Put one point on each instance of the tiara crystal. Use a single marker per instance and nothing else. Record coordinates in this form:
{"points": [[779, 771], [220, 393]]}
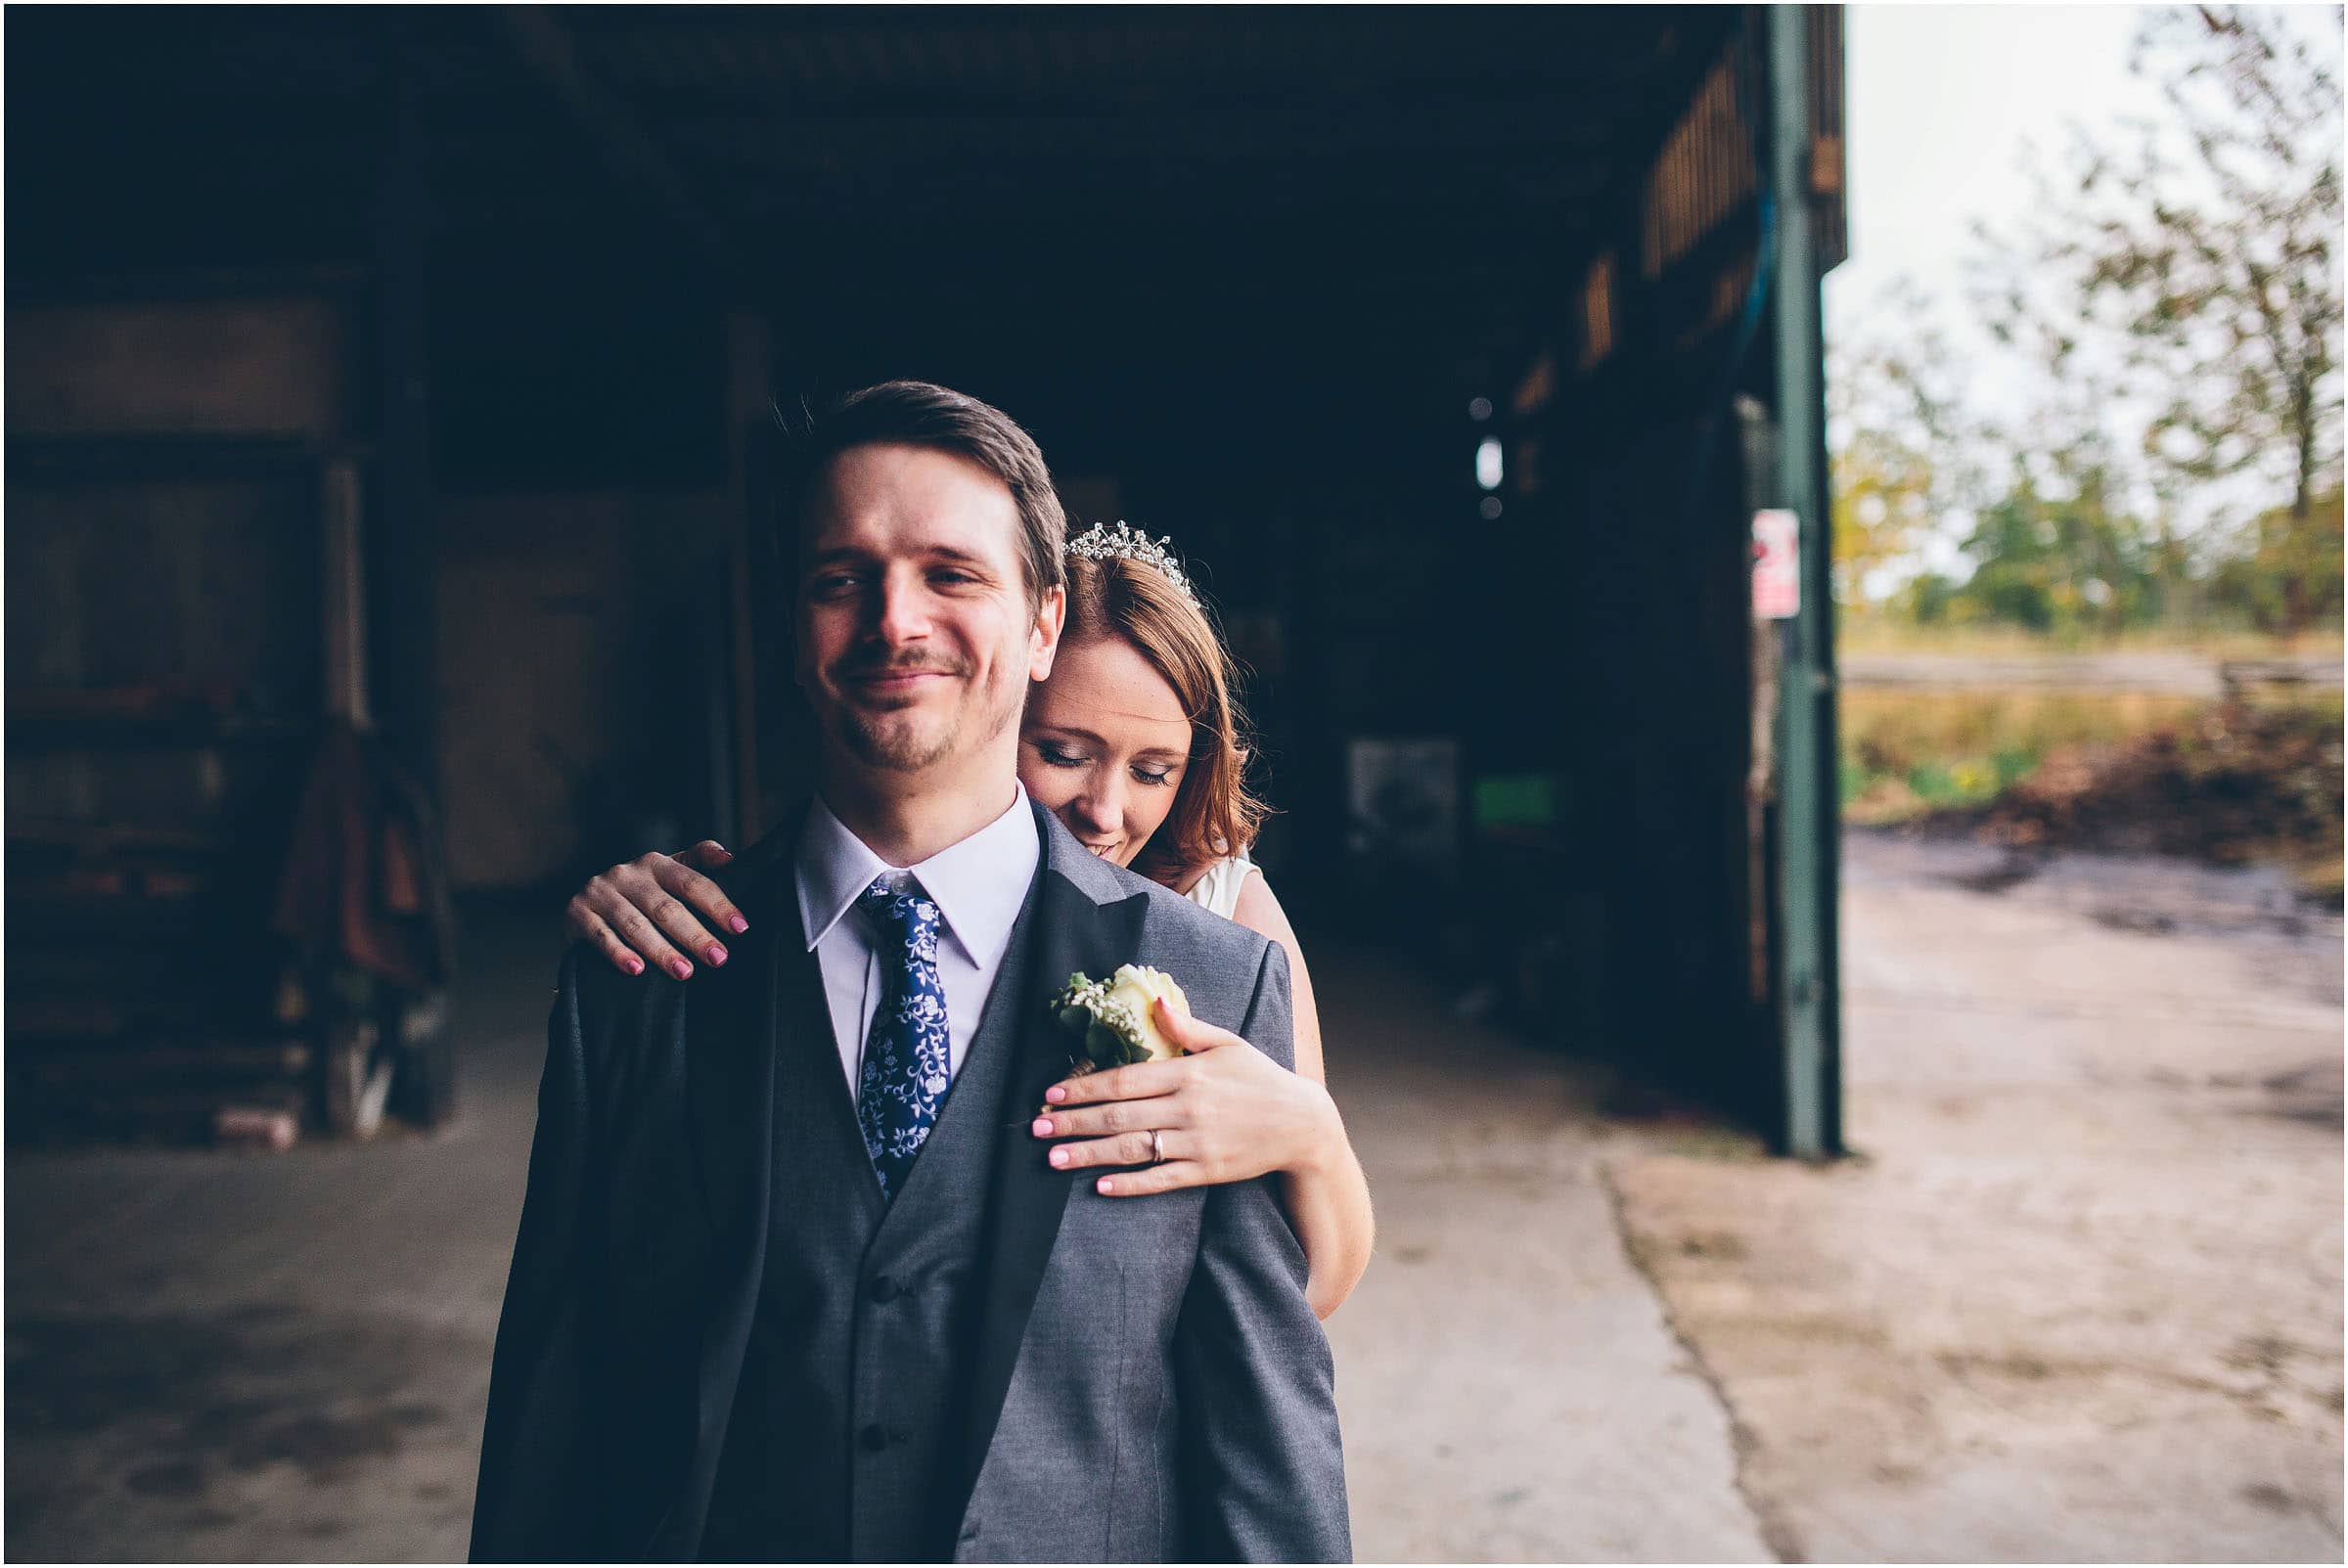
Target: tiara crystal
{"points": [[1127, 542]]}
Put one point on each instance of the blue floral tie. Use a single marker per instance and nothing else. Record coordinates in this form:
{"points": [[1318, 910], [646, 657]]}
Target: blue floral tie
{"points": [[906, 1066]]}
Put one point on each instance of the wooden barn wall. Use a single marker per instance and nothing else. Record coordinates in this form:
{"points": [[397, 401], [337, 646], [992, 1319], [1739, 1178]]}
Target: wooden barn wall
{"points": [[236, 367], [1656, 755], [169, 461], [570, 672], [1650, 518], [1624, 567]]}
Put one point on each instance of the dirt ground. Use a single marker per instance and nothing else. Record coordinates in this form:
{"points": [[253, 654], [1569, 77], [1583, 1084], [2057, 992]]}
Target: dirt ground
{"points": [[2079, 1295]]}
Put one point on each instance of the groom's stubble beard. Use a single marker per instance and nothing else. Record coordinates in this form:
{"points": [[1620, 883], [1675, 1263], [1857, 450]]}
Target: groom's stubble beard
{"points": [[906, 740]]}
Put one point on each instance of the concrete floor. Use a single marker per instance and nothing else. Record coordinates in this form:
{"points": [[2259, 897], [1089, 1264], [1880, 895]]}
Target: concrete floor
{"points": [[2083, 1300], [218, 1356], [2079, 1299]]}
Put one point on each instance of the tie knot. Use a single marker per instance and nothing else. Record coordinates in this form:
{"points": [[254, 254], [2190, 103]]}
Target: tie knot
{"points": [[906, 912]]}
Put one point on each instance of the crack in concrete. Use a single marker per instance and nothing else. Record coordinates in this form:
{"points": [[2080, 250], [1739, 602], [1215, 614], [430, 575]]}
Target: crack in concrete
{"points": [[1776, 1531]]}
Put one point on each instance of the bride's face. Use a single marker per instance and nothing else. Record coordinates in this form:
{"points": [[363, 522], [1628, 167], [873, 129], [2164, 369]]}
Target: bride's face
{"points": [[1103, 746]]}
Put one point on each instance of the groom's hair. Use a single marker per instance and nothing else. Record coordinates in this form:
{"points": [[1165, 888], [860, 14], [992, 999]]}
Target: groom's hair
{"points": [[922, 414]]}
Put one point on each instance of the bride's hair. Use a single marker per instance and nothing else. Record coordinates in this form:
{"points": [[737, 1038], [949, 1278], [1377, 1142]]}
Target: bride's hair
{"points": [[1214, 814]]}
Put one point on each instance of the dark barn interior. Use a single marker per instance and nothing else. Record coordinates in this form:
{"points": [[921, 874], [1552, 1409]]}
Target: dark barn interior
{"points": [[386, 391]]}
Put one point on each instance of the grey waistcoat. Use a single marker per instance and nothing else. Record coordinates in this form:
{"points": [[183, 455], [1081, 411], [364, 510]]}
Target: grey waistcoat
{"points": [[857, 1370]]}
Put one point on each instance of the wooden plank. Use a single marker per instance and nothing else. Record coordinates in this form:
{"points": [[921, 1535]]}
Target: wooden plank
{"points": [[216, 367], [64, 1065], [174, 1116]]}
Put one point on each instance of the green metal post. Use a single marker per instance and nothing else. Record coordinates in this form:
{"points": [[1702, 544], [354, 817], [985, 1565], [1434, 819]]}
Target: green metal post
{"points": [[1809, 816]]}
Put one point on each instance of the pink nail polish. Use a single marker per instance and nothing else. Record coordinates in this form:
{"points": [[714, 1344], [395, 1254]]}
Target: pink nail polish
{"points": [[1060, 1156], [635, 965], [680, 968], [739, 925], [717, 954], [1108, 1185], [1042, 1128], [1055, 1095]]}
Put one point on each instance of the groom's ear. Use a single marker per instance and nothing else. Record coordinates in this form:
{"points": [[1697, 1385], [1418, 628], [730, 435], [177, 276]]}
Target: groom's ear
{"points": [[1043, 642]]}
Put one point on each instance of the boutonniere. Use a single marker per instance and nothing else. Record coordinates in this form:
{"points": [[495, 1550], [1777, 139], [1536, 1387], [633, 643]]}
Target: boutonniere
{"points": [[1108, 1021]]}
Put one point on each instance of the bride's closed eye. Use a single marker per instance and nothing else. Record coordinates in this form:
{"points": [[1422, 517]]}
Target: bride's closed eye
{"points": [[1056, 755]]}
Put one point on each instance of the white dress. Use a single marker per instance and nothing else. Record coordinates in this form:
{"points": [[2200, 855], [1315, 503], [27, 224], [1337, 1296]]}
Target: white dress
{"points": [[1219, 888]]}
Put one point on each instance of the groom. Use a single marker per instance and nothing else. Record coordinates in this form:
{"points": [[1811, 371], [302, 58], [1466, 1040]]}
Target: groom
{"points": [[792, 1284]]}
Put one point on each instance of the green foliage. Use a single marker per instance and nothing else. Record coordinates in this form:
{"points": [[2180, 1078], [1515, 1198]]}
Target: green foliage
{"points": [[1907, 752], [2255, 778], [2065, 564], [1101, 1032], [2287, 573]]}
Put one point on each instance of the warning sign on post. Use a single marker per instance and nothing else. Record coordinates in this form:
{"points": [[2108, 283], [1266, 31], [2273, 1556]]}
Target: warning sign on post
{"points": [[1777, 565]]}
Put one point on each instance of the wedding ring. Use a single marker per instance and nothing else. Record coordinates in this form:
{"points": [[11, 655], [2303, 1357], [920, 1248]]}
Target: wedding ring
{"points": [[1157, 1147]]}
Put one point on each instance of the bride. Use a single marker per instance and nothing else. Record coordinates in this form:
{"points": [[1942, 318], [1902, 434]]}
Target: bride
{"points": [[1135, 742]]}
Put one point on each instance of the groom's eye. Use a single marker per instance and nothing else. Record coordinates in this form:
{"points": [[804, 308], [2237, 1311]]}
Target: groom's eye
{"points": [[832, 584]]}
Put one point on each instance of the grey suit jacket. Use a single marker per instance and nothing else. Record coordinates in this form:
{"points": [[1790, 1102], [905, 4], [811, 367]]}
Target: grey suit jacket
{"points": [[1149, 1382], [1172, 1394]]}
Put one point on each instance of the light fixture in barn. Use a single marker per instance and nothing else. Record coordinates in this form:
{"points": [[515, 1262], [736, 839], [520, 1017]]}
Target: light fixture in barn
{"points": [[1488, 462]]}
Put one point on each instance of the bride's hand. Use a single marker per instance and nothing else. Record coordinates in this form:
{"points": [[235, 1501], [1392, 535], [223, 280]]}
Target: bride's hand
{"points": [[1224, 1112], [633, 911]]}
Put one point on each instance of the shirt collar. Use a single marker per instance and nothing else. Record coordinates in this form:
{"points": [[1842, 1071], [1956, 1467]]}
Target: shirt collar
{"points": [[978, 884]]}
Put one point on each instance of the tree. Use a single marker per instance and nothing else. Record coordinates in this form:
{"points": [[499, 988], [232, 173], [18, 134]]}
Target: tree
{"points": [[2263, 584], [2072, 562], [2195, 271], [1903, 461]]}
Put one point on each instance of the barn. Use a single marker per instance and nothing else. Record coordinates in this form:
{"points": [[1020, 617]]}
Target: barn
{"points": [[388, 521]]}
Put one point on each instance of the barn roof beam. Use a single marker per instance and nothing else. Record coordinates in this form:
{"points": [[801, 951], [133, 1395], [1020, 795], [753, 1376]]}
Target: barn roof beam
{"points": [[552, 56]]}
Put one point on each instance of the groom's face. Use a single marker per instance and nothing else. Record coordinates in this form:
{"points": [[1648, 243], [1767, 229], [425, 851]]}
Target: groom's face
{"points": [[916, 637]]}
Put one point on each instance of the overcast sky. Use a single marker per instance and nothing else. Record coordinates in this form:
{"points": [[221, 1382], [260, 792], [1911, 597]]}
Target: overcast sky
{"points": [[1941, 100]]}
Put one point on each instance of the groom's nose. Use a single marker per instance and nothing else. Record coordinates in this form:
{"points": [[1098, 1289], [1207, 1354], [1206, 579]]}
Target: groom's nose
{"points": [[900, 610]]}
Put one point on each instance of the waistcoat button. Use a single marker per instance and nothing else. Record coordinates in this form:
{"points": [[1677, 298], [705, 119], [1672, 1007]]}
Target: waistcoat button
{"points": [[885, 1289], [874, 1438]]}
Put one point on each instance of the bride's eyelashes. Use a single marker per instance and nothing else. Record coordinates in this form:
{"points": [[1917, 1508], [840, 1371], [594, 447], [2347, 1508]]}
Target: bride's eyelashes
{"points": [[1054, 755]]}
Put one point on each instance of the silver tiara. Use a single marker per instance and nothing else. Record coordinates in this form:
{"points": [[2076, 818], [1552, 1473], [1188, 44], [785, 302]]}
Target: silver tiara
{"points": [[1126, 543]]}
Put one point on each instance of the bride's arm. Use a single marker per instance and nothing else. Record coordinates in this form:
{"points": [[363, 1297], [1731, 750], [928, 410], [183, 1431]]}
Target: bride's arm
{"points": [[1329, 1196], [1227, 1113]]}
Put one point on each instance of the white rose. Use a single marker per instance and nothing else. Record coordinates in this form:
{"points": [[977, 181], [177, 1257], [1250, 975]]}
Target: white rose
{"points": [[1137, 985]]}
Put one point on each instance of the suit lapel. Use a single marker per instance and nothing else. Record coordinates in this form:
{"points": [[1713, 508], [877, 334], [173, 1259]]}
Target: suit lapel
{"points": [[731, 1020], [1084, 921], [732, 1017]]}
